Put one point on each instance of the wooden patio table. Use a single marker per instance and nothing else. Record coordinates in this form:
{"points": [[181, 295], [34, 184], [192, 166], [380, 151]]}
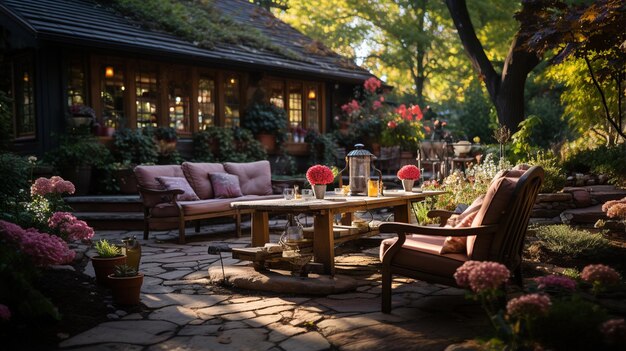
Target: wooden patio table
{"points": [[324, 212]]}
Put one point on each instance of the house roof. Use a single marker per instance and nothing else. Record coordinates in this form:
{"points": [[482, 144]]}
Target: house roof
{"points": [[87, 23]]}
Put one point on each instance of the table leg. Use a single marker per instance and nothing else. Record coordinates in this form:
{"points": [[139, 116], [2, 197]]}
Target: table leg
{"points": [[260, 228], [402, 213], [324, 241], [346, 218]]}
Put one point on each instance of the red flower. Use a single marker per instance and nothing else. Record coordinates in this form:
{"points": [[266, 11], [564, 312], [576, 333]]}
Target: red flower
{"points": [[372, 84], [319, 174], [376, 105], [351, 107], [409, 172], [392, 124]]}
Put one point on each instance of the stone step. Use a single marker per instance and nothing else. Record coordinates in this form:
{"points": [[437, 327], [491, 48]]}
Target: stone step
{"points": [[112, 220], [585, 215], [105, 203]]}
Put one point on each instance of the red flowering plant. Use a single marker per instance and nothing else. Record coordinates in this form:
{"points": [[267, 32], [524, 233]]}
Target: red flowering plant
{"points": [[404, 128], [409, 172], [319, 174]]}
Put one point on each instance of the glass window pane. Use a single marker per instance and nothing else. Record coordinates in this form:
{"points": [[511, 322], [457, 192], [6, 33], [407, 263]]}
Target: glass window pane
{"points": [[147, 92], [24, 98], [112, 95], [295, 105], [76, 90], [206, 102], [178, 96], [231, 101], [277, 93]]}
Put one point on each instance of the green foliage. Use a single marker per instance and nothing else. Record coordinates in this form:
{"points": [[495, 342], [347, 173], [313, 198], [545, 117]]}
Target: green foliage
{"points": [[105, 249], [6, 122], [133, 147], [15, 172], [323, 148], [474, 117], [266, 118], [609, 160], [124, 270], [565, 240], [198, 22], [78, 149], [218, 144], [521, 144], [365, 130], [554, 177], [571, 324], [160, 133]]}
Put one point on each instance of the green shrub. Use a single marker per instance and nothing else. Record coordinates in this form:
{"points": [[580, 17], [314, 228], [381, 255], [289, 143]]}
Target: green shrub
{"points": [[565, 240], [266, 118], [15, 172], [218, 144], [609, 160], [133, 147], [554, 177]]}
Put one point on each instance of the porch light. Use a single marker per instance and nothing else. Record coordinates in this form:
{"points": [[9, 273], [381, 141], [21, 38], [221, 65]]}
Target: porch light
{"points": [[26, 78], [312, 94], [109, 72], [233, 81]]}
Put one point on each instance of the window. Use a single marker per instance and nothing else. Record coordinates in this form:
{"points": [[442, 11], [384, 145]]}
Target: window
{"points": [[312, 110], [231, 101], [76, 91], [23, 95], [112, 95], [277, 93], [178, 96], [295, 105], [206, 102], [147, 93]]}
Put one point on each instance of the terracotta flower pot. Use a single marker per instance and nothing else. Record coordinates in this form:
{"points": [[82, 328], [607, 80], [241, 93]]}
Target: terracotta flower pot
{"points": [[126, 290], [103, 266], [268, 141]]}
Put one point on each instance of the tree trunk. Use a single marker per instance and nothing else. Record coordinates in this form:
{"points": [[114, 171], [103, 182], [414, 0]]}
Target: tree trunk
{"points": [[507, 89]]}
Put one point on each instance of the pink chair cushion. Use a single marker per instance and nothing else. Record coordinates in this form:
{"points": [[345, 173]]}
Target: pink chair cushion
{"points": [[197, 175], [255, 178], [171, 183], [458, 244], [225, 185], [496, 202], [191, 208], [146, 177], [423, 251]]}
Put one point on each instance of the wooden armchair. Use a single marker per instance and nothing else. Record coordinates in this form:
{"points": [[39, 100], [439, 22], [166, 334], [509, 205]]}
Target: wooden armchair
{"points": [[494, 232]]}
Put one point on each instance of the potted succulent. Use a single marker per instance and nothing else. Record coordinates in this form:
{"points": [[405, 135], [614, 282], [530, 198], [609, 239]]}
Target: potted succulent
{"points": [[267, 122], [81, 115], [125, 284], [109, 255]]}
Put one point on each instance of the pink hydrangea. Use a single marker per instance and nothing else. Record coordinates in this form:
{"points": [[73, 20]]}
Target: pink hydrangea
{"points": [[351, 107], [487, 276], [462, 273], [42, 248], [409, 172], [376, 105], [372, 84], [600, 274], [70, 227], [319, 174], [44, 186], [614, 330], [556, 282], [5, 313], [528, 305]]}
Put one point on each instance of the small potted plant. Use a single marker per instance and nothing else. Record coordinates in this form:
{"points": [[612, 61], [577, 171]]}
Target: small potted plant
{"points": [[408, 175], [125, 284], [267, 122], [319, 176], [81, 115], [109, 256]]}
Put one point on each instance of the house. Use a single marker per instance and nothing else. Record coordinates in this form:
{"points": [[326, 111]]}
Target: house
{"points": [[59, 53]]}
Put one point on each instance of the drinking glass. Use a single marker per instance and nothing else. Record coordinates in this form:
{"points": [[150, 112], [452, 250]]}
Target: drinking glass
{"points": [[307, 194], [288, 194]]}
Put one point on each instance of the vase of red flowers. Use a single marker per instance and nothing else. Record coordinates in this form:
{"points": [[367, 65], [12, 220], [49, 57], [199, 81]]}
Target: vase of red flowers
{"points": [[319, 176], [408, 175]]}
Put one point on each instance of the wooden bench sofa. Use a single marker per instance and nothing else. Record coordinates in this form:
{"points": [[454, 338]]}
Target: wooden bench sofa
{"points": [[166, 198]]}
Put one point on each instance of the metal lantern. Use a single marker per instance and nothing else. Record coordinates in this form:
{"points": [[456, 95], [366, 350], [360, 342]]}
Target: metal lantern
{"points": [[358, 164]]}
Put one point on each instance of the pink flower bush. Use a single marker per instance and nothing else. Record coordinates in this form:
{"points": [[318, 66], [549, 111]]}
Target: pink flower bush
{"points": [[556, 282], [42, 248], [319, 174], [614, 330], [351, 107], [528, 305], [414, 112], [409, 172], [54, 185], [372, 84], [69, 227], [376, 105], [599, 274], [5, 313], [481, 276]]}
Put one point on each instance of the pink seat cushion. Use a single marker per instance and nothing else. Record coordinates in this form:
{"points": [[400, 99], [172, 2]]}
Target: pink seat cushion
{"points": [[255, 178], [423, 251], [197, 175], [225, 185], [191, 208], [171, 183]]}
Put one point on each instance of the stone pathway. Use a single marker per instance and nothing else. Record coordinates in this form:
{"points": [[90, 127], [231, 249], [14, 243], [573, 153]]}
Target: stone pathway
{"points": [[183, 311]]}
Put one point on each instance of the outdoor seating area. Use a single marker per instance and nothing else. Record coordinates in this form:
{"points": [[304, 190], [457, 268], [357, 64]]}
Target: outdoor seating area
{"points": [[286, 175]]}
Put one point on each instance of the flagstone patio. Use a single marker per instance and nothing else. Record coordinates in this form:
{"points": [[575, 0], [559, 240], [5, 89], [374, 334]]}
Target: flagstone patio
{"points": [[183, 310]]}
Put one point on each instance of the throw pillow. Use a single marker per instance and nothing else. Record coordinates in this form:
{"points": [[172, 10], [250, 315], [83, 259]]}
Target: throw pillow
{"points": [[225, 185], [458, 244], [170, 183]]}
